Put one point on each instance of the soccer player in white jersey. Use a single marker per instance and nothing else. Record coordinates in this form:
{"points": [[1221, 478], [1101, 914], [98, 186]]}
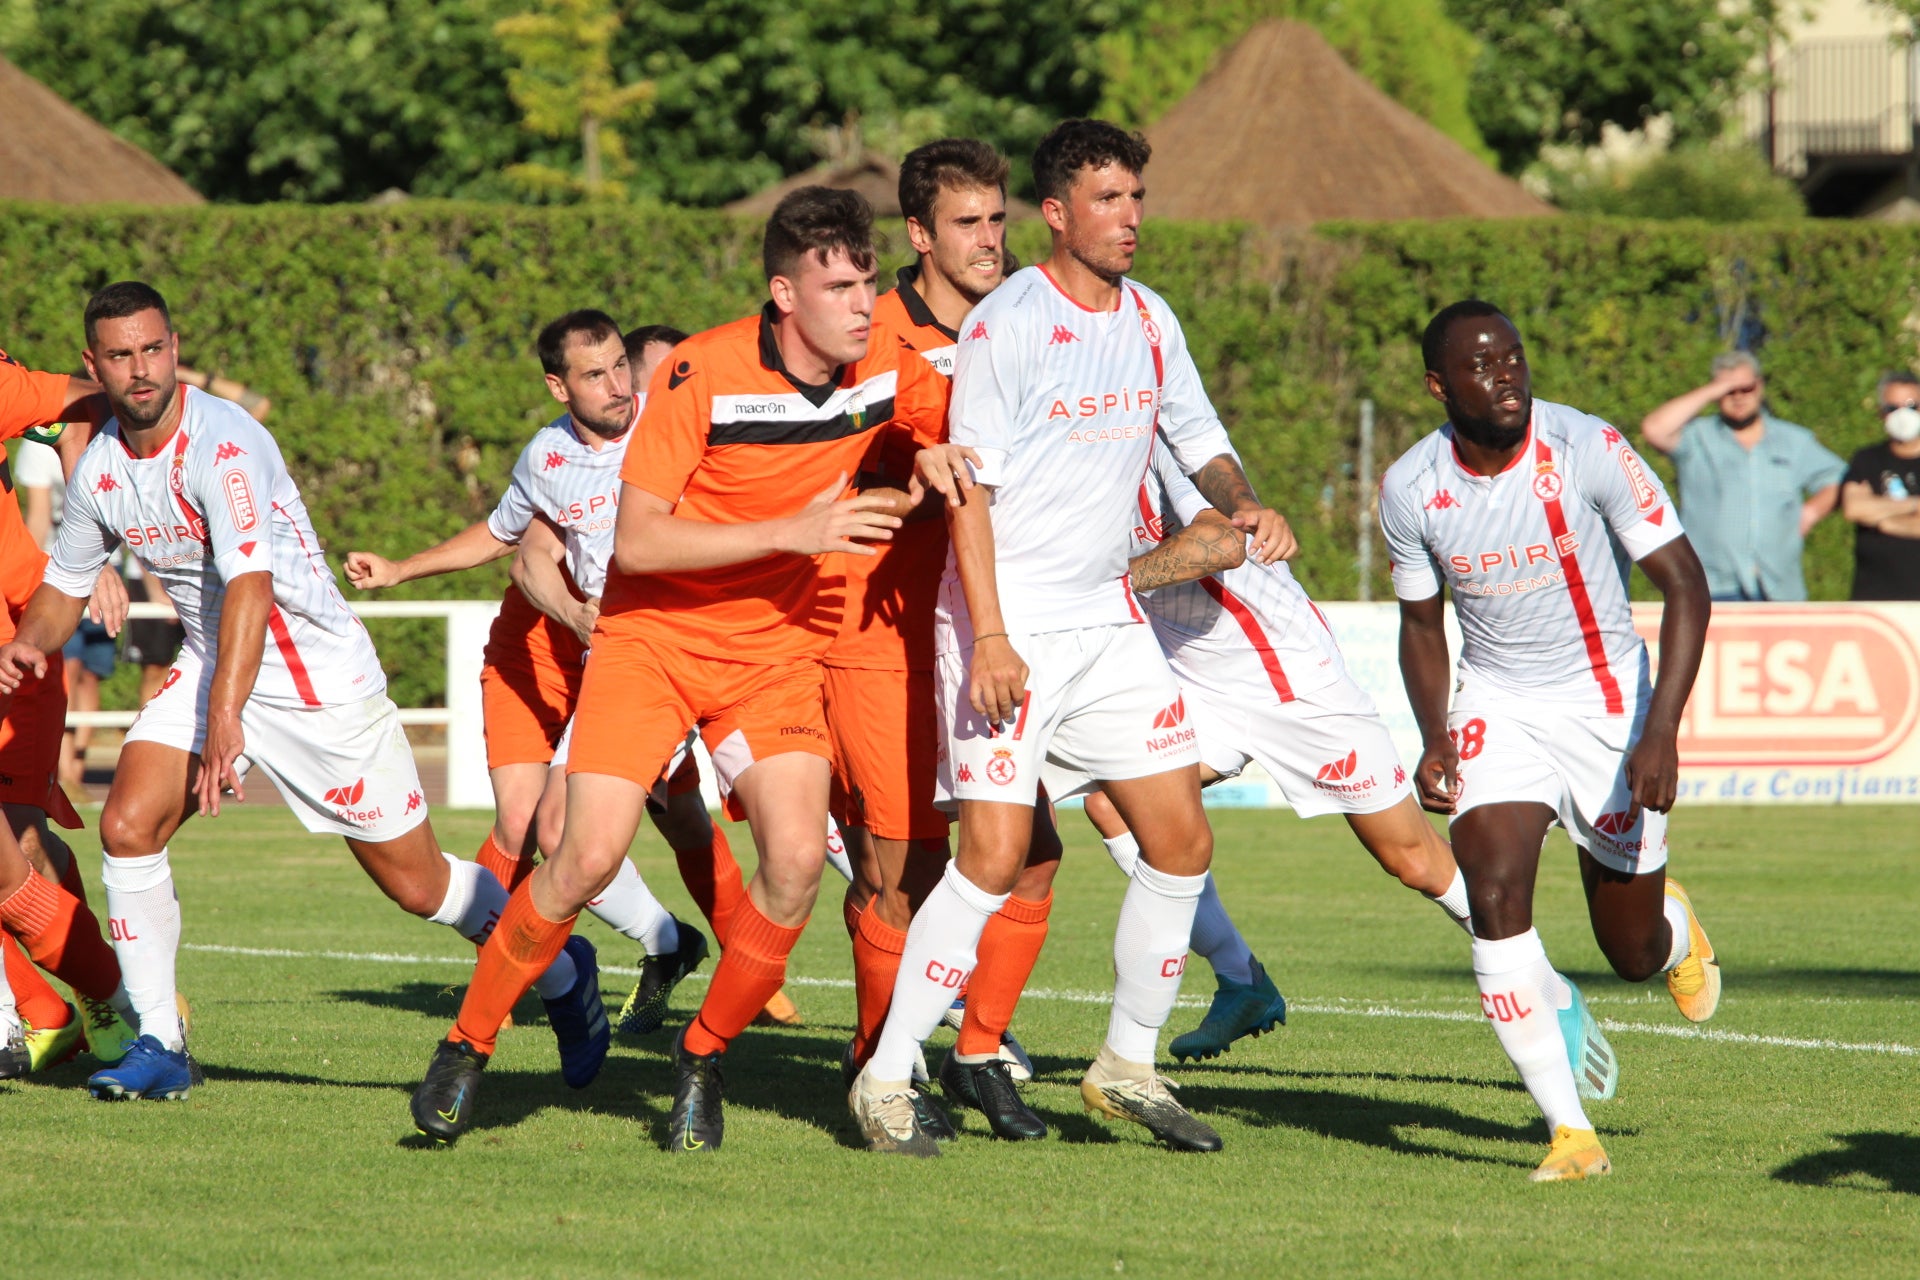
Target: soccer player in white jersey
{"points": [[1531, 513], [567, 482], [196, 489], [1043, 654], [1262, 678]]}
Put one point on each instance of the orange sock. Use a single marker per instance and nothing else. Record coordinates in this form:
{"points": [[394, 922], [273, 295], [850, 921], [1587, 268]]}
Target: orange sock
{"points": [[712, 877], [62, 936], [523, 944], [506, 868], [39, 1004], [70, 879], [752, 966], [1009, 947], [876, 963], [850, 914]]}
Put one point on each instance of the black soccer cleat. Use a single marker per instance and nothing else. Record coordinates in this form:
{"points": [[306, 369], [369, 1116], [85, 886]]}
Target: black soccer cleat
{"points": [[443, 1104], [934, 1121], [988, 1088], [696, 1122], [646, 1008]]}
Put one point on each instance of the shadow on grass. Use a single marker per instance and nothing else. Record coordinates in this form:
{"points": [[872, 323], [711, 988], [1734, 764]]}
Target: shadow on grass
{"points": [[1891, 1158], [1768, 980]]}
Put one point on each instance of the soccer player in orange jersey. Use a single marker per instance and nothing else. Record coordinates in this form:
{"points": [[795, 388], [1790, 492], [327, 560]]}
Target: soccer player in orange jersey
{"points": [[723, 594], [879, 677], [51, 920]]}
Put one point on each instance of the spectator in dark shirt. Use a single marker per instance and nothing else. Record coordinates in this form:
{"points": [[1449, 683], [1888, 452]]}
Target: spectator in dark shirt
{"points": [[1881, 495]]}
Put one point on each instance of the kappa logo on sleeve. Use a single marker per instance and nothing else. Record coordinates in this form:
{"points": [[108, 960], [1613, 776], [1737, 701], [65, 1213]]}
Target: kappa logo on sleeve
{"points": [[554, 459], [978, 332], [227, 452]]}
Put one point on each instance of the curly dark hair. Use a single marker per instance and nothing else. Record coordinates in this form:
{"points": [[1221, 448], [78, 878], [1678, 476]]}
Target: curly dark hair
{"points": [[1073, 145]]}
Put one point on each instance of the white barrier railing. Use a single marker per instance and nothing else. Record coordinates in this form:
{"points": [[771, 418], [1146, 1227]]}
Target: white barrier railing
{"points": [[467, 624]]}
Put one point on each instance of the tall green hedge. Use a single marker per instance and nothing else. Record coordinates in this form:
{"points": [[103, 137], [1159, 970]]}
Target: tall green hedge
{"points": [[396, 343]]}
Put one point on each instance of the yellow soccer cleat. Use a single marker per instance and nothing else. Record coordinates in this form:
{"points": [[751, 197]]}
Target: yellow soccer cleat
{"points": [[49, 1046], [1576, 1154], [1695, 981], [108, 1035]]}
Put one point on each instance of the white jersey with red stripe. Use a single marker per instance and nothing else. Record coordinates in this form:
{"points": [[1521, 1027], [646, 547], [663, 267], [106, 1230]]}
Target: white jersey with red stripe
{"points": [[1255, 608], [1537, 556], [562, 476], [1060, 403], [211, 504]]}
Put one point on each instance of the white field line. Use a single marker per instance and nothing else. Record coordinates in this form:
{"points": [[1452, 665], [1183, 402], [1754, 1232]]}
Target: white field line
{"points": [[1337, 1008]]}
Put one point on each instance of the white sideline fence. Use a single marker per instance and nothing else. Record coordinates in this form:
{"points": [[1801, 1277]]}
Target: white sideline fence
{"points": [[1794, 704]]}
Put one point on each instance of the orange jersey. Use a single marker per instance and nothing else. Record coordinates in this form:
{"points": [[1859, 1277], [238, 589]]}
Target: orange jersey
{"points": [[27, 400], [729, 437], [890, 596]]}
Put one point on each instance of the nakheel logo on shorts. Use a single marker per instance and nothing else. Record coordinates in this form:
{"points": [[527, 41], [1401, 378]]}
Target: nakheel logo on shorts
{"points": [[1797, 686], [1337, 776], [1611, 827], [343, 800], [1171, 721]]}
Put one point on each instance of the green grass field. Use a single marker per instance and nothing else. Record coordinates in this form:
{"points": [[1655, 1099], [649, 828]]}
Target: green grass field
{"points": [[1381, 1133]]}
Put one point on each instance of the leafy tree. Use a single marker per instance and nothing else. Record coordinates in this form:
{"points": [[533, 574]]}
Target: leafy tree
{"points": [[1557, 72], [1409, 48], [1714, 184], [565, 84], [287, 99]]}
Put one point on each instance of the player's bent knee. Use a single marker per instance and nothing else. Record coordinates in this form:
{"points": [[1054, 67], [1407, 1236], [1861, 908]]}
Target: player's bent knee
{"points": [[127, 832]]}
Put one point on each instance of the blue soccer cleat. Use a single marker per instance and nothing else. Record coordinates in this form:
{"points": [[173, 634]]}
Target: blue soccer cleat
{"points": [[148, 1069], [1596, 1071], [579, 1020], [1238, 1009]]}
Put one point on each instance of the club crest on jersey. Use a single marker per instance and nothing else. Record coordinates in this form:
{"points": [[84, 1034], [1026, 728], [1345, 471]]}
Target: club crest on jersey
{"points": [[1548, 486], [1148, 327], [1001, 769]]}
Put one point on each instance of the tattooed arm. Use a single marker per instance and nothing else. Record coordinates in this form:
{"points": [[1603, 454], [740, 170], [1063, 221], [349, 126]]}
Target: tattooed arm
{"points": [[1222, 483], [1208, 546]]}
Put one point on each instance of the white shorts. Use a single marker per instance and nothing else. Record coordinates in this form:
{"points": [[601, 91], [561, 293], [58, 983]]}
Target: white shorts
{"points": [[1514, 750], [345, 769], [656, 797], [1101, 705], [1328, 750]]}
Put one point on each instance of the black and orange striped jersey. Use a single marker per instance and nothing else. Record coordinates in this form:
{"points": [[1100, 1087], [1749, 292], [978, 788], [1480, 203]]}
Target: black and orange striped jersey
{"points": [[730, 437]]}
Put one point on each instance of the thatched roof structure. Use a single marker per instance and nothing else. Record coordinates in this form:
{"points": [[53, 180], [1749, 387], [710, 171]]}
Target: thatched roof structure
{"points": [[1283, 133], [51, 151], [873, 175]]}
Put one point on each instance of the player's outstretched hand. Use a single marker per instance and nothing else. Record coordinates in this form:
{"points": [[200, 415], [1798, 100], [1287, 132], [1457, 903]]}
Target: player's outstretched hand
{"points": [[370, 572], [999, 679], [1269, 536], [584, 616], [1437, 777], [226, 742], [1653, 774], [17, 662], [108, 603], [830, 523], [943, 467]]}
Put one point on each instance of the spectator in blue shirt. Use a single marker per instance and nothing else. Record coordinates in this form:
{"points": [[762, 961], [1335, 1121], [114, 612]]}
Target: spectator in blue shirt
{"points": [[1751, 484]]}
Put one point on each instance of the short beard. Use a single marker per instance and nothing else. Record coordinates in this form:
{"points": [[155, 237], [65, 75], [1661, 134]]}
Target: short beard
{"points": [[1483, 434], [607, 431], [131, 416]]}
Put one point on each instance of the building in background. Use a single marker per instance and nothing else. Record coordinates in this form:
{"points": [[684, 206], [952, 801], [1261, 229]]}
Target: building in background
{"points": [[51, 151]]}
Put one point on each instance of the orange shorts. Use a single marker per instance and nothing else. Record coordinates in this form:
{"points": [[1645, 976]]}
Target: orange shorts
{"points": [[31, 723], [886, 738], [529, 685], [639, 699]]}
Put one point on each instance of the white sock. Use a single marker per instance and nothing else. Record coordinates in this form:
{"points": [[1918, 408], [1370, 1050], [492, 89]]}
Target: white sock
{"points": [[144, 918], [1217, 941], [1682, 936], [1521, 995], [837, 852], [474, 901], [1149, 956], [1454, 902], [632, 910], [9, 1012], [939, 955], [1124, 850]]}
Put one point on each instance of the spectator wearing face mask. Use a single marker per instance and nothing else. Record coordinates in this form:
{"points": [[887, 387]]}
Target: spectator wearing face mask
{"points": [[1881, 495]]}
